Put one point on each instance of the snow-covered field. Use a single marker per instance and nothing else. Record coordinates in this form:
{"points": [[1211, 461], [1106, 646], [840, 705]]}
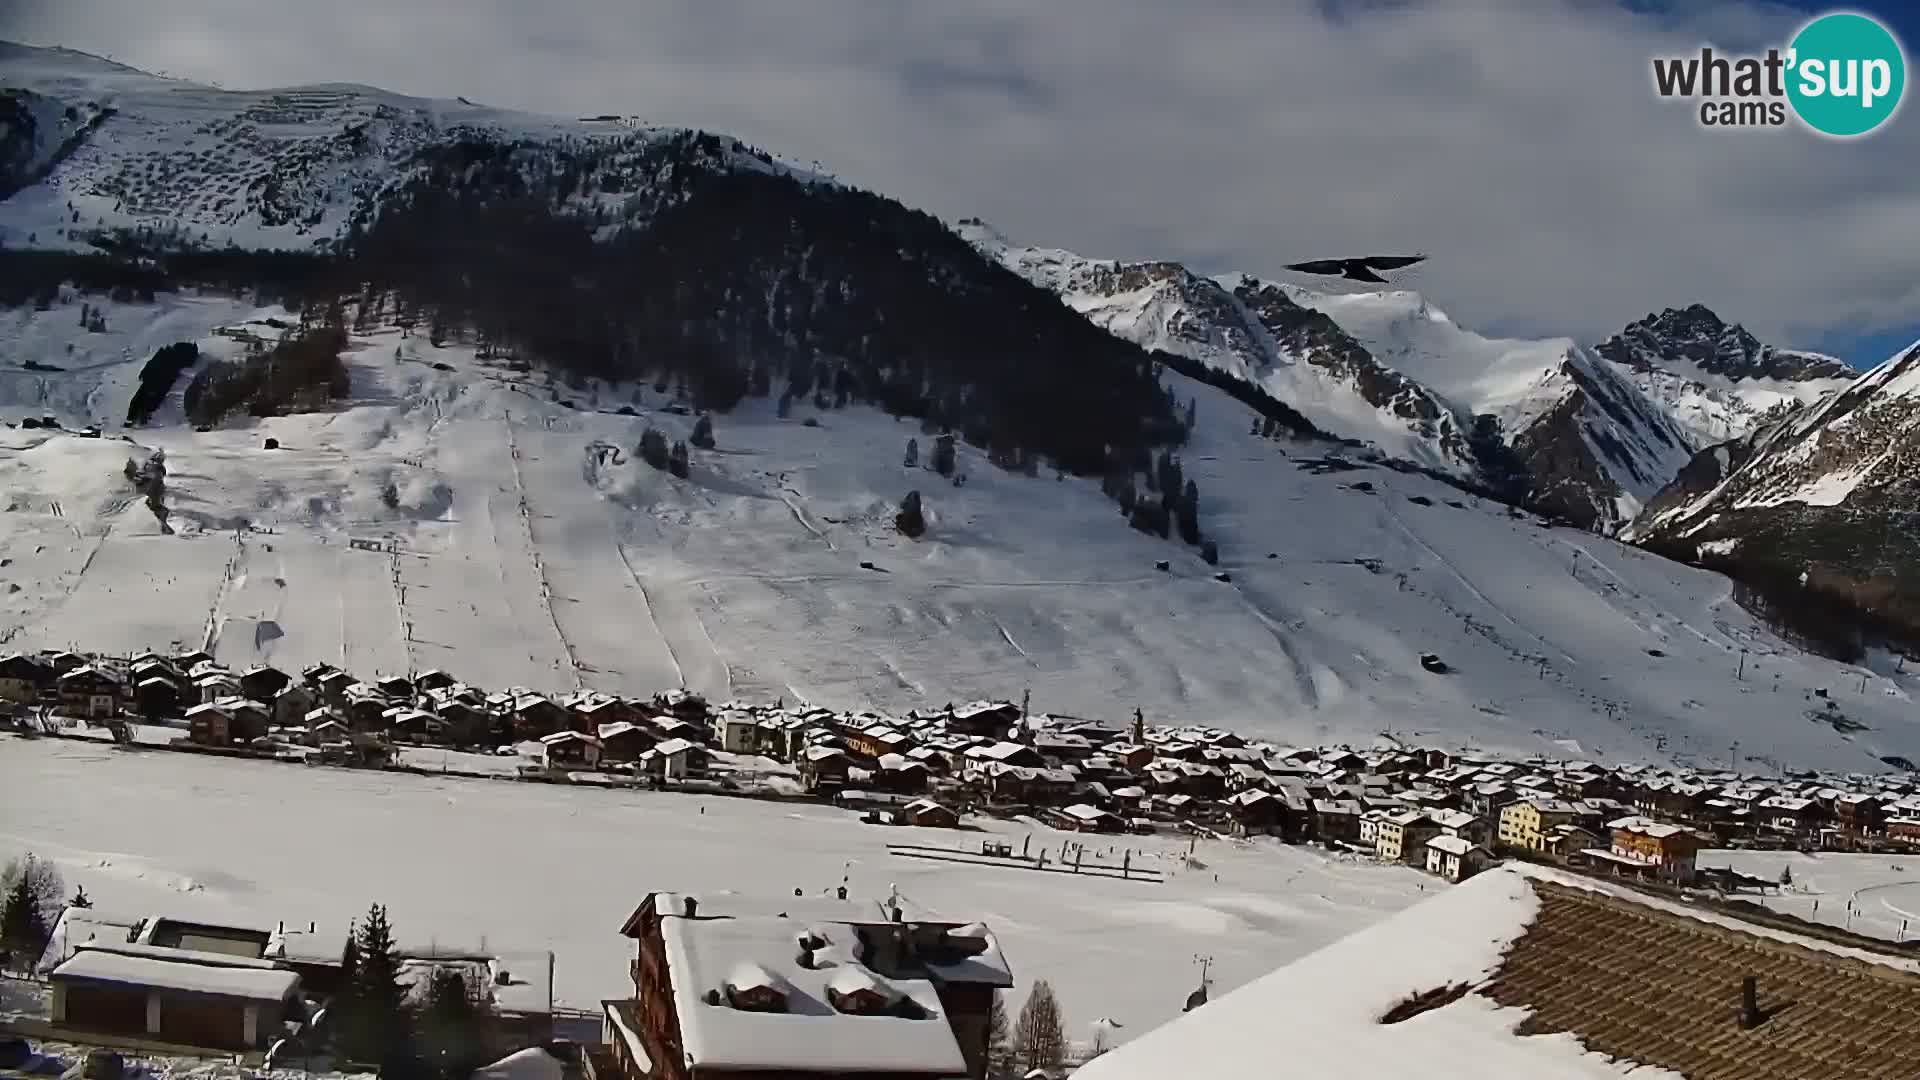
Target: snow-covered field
{"points": [[532, 866], [520, 541], [1877, 895]]}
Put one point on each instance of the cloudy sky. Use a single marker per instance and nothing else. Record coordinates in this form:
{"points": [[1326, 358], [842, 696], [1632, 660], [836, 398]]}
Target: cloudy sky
{"points": [[1519, 142]]}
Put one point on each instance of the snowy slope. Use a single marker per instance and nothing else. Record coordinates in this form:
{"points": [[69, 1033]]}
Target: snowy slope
{"points": [[528, 546]]}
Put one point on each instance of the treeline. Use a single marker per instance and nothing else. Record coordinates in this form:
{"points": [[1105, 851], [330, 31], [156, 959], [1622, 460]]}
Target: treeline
{"points": [[157, 377], [1815, 607], [301, 373]]}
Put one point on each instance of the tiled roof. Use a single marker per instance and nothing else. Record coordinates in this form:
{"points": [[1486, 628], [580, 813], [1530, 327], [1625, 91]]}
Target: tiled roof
{"points": [[1661, 988]]}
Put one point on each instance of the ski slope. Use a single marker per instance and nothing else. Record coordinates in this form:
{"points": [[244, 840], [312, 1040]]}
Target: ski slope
{"points": [[510, 539], [521, 867]]}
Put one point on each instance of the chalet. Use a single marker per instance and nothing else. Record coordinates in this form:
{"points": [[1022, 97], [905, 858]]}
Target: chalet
{"points": [[1336, 820], [365, 708], [1081, 817], [467, 723], [1369, 835], [1258, 812], [927, 814], [417, 726], [1129, 800], [989, 719], [670, 727], [1455, 858], [591, 713], [1063, 746], [212, 685], [791, 989], [824, 768], [188, 997], [325, 731], [333, 686], [210, 724], [674, 759], [291, 704], [878, 741], [898, 774], [90, 692], [22, 678], [1859, 814], [191, 659], [433, 679], [1403, 836], [398, 687], [624, 742], [1003, 753], [930, 757], [63, 662], [1904, 830], [1651, 848], [262, 683], [1022, 784], [1566, 841], [536, 716], [1129, 756], [157, 697], [1790, 814], [1472, 829], [570, 750]]}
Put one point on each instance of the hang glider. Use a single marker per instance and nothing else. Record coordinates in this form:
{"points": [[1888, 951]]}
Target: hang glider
{"points": [[1363, 269]]}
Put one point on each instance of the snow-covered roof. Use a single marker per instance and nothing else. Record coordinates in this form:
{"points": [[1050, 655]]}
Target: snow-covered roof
{"points": [[811, 1035], [179, 969], [1646, 827], [674, 746], [533, 1063], [1452, 845]]}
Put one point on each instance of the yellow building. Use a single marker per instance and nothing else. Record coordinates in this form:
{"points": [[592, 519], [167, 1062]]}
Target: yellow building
{"points": [[1526, 824]]}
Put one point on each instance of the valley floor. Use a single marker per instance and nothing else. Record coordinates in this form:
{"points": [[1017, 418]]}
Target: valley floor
{"points": [[536, 867]]}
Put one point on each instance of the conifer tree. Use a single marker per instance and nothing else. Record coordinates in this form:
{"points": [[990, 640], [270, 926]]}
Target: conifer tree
{"points": [[1039, 1037]]}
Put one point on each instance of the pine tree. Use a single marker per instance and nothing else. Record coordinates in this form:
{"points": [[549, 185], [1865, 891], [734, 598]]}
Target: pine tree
{"points": [[943, 455], [32, 894], [653, 448], [376, 1028], [702, 436], [1210, 553], [1193, 413], [1000, 1064], [913, 452], [1189, 513], [1040, 1036], [677, 463], [452, 1026], [911, 522]]}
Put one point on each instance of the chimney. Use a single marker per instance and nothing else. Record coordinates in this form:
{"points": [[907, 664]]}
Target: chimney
{"points": [[692, 906], [1750, 1002]]}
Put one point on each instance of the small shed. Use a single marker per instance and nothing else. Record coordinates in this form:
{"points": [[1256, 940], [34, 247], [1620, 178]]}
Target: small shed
{"points": [[180, 996]]}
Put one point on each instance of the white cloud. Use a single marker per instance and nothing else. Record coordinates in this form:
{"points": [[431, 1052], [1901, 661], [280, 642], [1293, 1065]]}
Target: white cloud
{"points": [[1519, 144]]}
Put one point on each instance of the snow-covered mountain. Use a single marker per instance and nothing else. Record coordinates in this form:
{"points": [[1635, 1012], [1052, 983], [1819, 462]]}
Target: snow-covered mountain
{"points": [[1389, 368], [520, 540], [517, 300], [1829, 494], [1717, 379]]}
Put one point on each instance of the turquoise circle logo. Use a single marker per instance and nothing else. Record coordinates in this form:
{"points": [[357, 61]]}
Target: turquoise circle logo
{"points": [[1847, 74]]}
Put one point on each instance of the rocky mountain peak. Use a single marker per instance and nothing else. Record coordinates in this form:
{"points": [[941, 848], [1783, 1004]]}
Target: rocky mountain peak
{"points": [[1695, 340]]}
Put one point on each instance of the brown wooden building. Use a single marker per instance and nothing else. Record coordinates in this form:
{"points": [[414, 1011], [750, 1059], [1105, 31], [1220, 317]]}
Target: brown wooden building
{"points": [[181, 996], [801, 988]]}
